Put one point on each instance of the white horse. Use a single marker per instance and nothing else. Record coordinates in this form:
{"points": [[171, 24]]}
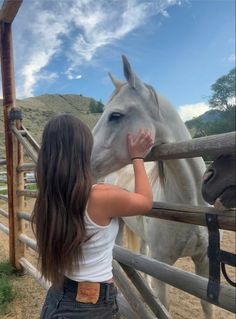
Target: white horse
{"points": [[133, 105]]}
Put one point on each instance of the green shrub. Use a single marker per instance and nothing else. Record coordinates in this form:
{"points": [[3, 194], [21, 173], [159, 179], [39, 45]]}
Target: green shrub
{"points": [[6, 292], [6, 269]]}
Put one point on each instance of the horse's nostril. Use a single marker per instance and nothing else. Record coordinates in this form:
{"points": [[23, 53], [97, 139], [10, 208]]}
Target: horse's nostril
{"points": [[208, 175]]}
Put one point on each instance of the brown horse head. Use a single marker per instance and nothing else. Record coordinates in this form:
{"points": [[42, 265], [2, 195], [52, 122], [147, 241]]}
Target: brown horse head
{"points": [[219, 182]]}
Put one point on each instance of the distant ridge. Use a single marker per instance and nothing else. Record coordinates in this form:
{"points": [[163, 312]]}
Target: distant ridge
{"points": [[213, 122], [38, 110]]}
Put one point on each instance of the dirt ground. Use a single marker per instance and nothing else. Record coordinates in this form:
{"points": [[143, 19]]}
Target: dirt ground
{"points": [[30, 295]]}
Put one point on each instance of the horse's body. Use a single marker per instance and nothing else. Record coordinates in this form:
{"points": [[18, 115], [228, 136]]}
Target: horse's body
{"points": [[219, 183], [134, 105]]}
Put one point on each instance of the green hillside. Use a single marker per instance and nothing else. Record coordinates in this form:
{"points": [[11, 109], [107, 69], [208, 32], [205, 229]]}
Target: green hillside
{"points": [[213, 122], [37, 110]]}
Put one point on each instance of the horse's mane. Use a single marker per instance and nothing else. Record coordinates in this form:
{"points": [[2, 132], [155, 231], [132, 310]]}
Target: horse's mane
{"points": [[160, 164]]}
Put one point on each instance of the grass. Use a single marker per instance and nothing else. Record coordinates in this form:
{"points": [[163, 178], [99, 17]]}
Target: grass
{"points": [[31, 187], [3, 191], [6, 292]]}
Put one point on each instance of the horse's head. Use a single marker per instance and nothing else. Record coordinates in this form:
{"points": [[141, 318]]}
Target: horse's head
{"points": [[133, 105], [219, 182]]}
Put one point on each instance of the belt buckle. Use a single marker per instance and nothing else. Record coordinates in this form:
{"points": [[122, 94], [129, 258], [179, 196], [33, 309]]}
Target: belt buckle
{"points": [[88, 292]]}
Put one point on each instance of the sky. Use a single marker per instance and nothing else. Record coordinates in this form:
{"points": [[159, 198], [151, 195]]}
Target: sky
{"points": [[180, 47]]}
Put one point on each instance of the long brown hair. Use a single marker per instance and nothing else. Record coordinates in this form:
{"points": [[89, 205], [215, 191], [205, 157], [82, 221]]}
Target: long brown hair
{"points": [[63, 176]]}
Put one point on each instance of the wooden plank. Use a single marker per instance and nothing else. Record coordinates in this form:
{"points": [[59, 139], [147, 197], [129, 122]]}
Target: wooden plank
{"points": [[28, 241], [27, 193], [154, 303], [3, 162], [9, 101], [26, 167], [193, 214], [9, 10], [4, 229], [35, 273], [31, 152], [31, 140], [4, 197], [4, 213], [125, 310], [197, 147], [131, 295], [19, 184], [188, 282], [25, 216]]}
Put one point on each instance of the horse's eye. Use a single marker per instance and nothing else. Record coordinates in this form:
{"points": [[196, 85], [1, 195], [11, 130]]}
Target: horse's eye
{"points": [[115, 116]]}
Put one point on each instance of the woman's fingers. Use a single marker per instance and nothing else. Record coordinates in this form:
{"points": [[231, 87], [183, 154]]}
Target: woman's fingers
{"points": [[140, 143]]}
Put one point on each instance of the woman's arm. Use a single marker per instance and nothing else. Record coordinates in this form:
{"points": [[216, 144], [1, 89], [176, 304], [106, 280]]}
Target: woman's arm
{"points": [[109, 201]]}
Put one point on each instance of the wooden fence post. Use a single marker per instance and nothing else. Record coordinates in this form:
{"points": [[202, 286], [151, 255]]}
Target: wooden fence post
{"points": [[14, 154]]}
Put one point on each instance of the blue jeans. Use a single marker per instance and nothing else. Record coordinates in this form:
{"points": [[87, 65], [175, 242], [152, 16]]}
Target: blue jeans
{"points": [[61, 303]]}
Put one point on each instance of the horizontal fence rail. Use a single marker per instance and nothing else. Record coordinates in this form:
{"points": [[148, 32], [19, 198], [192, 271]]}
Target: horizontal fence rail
{"points": [[4, 229], [25, 216], [3, 197], [188, 282], [193, 214], [27, 193], [179, 213], [4, 213], [26, 167], [209, 145], [196, 147], [3, 161], [34, 272]]}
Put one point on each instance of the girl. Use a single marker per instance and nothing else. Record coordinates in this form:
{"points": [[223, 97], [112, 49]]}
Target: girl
{"points": [[75, 222]]}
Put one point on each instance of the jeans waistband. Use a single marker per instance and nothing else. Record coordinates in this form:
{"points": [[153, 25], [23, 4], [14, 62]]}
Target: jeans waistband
{"points": [[107, 290]]}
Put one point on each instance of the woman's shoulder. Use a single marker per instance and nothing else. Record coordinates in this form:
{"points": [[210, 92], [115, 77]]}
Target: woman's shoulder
{"points": [[99, 205], [105, 187]]}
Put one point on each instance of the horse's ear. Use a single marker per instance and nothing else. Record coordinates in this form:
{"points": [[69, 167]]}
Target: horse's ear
{"points": [[116, 82], [129, 74]]}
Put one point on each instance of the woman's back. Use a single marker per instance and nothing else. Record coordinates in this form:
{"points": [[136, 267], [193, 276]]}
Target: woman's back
{"points": [[76, 224]]}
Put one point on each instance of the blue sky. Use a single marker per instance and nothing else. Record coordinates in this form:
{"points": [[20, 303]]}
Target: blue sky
{"points": [[180, 47]]}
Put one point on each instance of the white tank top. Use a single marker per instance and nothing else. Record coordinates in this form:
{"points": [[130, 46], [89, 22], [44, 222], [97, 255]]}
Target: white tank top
{"points": [[96, 262]]}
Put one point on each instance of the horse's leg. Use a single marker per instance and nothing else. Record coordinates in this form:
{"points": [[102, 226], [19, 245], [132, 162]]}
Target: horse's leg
{"points": [[160, 289], [133, 241], [201, 263], [144, 251]]}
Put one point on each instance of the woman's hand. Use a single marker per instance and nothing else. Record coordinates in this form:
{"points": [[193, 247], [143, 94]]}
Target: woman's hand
{"points": [[139, 144]]}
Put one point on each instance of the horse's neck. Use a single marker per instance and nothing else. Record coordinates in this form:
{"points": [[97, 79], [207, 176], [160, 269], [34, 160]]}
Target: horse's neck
{"points": [[183, 181], [183, 176]]}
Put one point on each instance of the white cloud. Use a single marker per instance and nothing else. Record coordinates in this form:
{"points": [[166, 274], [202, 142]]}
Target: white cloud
{"points": [[46, 30], [232, 57], [71, 75], [188, 111]]}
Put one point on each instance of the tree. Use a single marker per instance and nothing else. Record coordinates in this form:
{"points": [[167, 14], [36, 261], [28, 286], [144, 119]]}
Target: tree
{"points": [[95, 107], [223, 96]]}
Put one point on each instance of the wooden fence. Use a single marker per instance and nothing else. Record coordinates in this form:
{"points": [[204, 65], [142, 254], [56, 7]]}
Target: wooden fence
{"points": [[126, 264]]}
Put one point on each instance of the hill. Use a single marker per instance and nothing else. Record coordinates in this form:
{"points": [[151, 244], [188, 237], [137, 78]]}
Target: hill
{"points": [[38, 110], [213, 122]]}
